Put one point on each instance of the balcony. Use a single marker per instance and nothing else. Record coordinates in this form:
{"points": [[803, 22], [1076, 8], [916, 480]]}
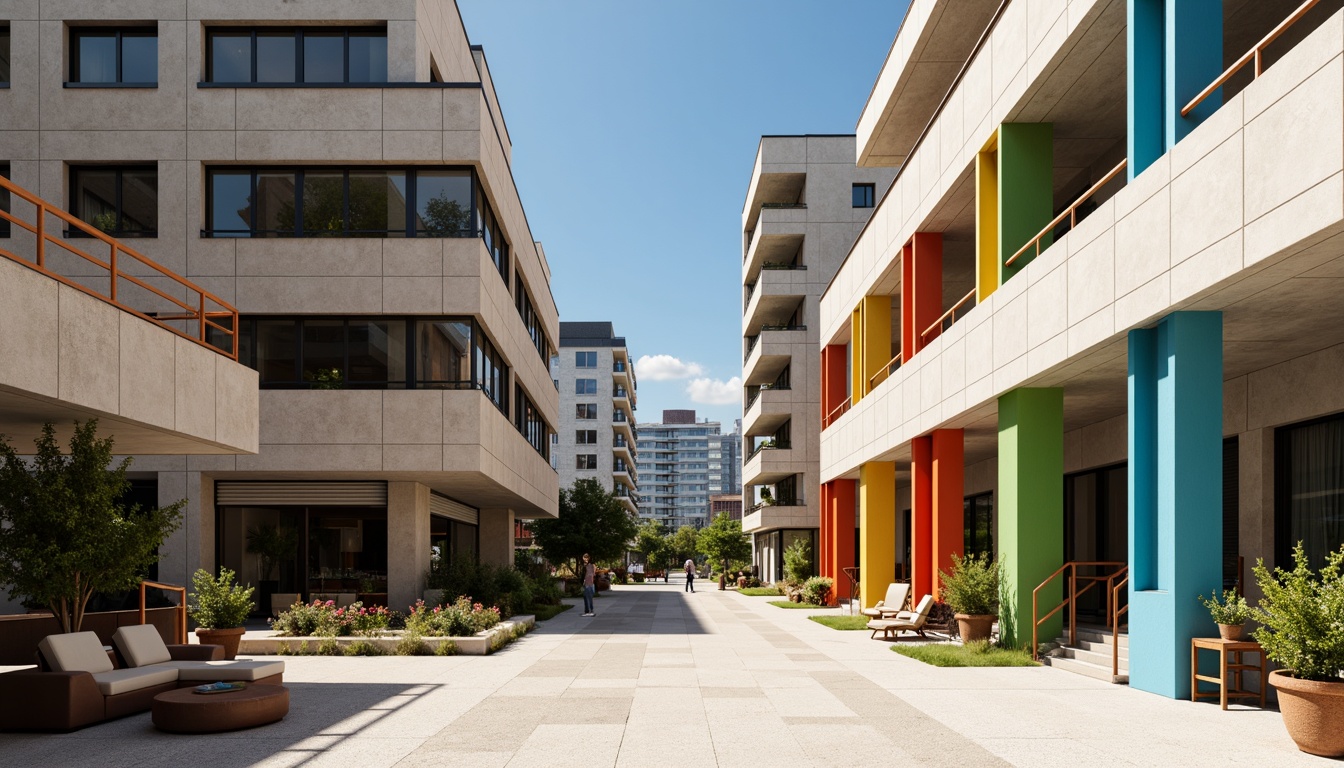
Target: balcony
{"points": [[624, 471], [768, 409], [775, 301], [793, 514], [777, 239], [771, 463]]}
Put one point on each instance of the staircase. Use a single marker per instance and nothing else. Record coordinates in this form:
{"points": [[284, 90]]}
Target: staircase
{"points": [[1091, 655]]}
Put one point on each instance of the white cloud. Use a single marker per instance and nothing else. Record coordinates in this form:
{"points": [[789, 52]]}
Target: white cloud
{"points": [[715, 392], [665, 368]]}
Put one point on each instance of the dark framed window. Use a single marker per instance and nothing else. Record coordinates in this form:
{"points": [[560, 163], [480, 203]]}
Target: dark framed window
{"points": [[4, 201], [1309, 489], [4, 55], [531, 425], [112, 56], [585, 411], [585, 461], [585, 437], [585, 386], [296, 56], [863, 195], [122, 201], [979, 518], [585, 359], [531, 320]]}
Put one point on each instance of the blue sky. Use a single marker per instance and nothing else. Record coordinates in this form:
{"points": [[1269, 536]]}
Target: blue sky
{"points": [[635, 125]]}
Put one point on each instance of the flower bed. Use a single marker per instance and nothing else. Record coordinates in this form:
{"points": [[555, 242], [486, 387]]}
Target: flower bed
{"points": [[478, 644], [323, 619]]}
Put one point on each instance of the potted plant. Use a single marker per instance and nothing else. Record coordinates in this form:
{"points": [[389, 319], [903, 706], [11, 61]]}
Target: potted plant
{"points": [[1230, 615], [971, 590], [219, 607], [1301, 631], [274, 545]]}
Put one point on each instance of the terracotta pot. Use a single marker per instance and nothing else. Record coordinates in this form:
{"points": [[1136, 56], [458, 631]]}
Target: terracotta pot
{"points": [[1313, 713], [1232, 631], [975, 626], [229, 638]]}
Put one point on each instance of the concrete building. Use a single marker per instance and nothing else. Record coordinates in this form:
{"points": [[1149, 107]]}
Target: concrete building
{"points": [[341, 175], [725, 502], [676, 460], [806, 202], [1111, 292], [596, 437]]}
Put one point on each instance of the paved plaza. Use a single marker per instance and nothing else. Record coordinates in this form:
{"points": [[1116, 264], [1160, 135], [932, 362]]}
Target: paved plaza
{"points": [[661, 678]]}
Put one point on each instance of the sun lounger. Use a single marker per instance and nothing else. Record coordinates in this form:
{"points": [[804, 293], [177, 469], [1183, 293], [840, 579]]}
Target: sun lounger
{"points": [[892, 604], [905, 621]]}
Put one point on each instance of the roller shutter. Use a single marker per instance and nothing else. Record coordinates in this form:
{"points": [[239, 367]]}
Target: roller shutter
{"points": [[454, 510], [251, 493]]}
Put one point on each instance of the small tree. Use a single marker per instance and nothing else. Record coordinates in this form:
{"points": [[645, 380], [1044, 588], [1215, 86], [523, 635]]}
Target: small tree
{"points": [[64, 533], [723, 541], [798, 561], [684, 543], [651, 542], [592, 519]]}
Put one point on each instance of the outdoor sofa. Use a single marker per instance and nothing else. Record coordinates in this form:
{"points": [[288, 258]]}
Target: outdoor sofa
{"points": [[77, 684]]}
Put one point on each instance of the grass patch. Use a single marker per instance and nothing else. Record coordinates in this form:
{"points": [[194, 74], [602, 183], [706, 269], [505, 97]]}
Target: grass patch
{"points": [[979, 654], [548, 612], [759, 592], [842, 622], [791, 604]]}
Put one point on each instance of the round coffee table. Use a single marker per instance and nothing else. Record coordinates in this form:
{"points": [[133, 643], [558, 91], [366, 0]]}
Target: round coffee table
{"points": [[185, 711]]}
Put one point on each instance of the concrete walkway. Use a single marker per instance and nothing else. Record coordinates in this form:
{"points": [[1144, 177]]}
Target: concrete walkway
{"points": [[661, 677]]}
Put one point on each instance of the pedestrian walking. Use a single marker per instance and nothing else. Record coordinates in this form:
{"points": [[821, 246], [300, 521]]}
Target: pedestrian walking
{"points": [[690, 575], [589, 584]]}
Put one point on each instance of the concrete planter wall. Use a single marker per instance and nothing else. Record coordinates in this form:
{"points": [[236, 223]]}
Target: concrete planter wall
{"points": [[480, 644]]}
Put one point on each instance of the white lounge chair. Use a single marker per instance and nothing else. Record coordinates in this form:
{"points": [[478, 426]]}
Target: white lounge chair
{"points": [[892, 604], [905, 621]]}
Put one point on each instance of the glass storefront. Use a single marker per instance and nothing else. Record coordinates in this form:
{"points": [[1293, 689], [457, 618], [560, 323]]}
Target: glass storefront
{"points": [[1309, 489]]}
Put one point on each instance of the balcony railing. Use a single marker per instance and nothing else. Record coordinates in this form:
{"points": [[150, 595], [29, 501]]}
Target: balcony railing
{"points": [[620, 392], [751, 344], [769, 445], [618, 367], [781, 265], [1070, 213], [827, 419], [197, 314], [764, 388], [1255, 54], [776, 503], [783, 206], [941, 323], [783, 327]]}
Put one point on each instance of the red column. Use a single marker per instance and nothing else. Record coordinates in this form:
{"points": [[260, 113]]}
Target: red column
{"points": [[824, 533], [921, 290], [834, 367], [842, 533], [921, 517], [948, 483]]}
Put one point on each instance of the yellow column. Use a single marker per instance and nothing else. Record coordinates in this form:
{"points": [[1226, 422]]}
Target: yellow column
{"points": [[870, 334], [877, 529], [856, 390], [987, 220]]}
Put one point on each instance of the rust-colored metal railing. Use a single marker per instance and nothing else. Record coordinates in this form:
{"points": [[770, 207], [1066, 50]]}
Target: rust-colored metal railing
{"points": [[835, 413], [1253, 55], [1071, 601], [1070, 213], [937, 324], [1116, 613], [180, 623], [893, 365], [198, 311]]}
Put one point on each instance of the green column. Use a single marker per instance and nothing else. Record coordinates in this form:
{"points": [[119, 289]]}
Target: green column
{"points": [[1031, 508], [1026, 190]]}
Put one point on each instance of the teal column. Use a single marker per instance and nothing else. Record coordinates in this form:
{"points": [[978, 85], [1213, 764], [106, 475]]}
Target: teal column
{"points": [[1174, 50], [1175, 494], [1031, 509], [1026, 190]]}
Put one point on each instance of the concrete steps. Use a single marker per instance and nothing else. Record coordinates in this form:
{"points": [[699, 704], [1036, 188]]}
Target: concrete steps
{"points": [[1090, 656]]}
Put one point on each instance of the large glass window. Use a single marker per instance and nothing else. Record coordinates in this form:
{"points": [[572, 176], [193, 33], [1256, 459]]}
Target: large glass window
{"points": [[585, 410], [444, 354], [107, 56], [318, 56], [585, 386], [528, 419], [450, 540], [979, 517], [1309, 489], [443, 203], [121, 201], [4, 54], [531, 320], [585, 359]]}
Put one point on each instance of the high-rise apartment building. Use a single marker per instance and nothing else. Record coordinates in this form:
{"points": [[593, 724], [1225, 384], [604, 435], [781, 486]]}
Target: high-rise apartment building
{"points": [[806, 202], [341, 175], [597, 437], [677, 459], [1093, 327]]}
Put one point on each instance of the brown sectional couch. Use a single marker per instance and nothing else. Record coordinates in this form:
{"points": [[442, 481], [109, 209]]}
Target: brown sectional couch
{"points": [[82, 687]]}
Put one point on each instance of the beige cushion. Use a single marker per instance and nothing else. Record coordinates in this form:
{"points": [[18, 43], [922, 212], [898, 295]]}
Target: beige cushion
{"points": [[141, 645], [227, 671], [120, 681], [75, 652], [896, 594]]}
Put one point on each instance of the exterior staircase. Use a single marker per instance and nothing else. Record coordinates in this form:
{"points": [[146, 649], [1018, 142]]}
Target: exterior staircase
{"points": [[1091, 655]]}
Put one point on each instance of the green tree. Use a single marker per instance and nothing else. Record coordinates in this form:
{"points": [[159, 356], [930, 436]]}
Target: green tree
{"points": [[723, 541], [592, 519], [798, 560], [684, 543], [651, 543], [64, 533], [444, 216]]}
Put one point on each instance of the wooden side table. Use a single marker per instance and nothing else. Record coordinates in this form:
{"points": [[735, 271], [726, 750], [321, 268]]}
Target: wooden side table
{"points": [[1234, 648]]}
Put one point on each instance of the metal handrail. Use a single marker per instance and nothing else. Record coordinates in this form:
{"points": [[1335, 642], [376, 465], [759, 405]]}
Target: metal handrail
{"points": [[949, 313], [836, 413], [180, 622], [1116, 613], [885, 370], [1251, 55], [1072, 600], [1070, 213], [198, 312]]}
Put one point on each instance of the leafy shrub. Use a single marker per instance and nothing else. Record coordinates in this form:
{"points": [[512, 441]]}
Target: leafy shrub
{"points": [[1301, 616], [324, 619], [1231, 611], [219, 603], [462, 618], [817, 590], [363, 648], [638, 577], [446, 648], [503, 586], [973, 586], [545, 591], [798, 560], [412, 644], [328, 647]]}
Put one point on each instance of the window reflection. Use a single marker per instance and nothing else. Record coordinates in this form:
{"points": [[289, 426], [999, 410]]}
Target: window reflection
{"points": [[275, 203], [275, 58], [121, 201], [368, 58], [443, 202], [323, 58], [444, 353], [231, 204], [378, 202], [230, 58], [96, 57]]}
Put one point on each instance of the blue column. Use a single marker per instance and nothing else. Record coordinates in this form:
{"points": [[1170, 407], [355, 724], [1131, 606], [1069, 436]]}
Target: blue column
{"points": [[1175, 494], [1174, 49]]}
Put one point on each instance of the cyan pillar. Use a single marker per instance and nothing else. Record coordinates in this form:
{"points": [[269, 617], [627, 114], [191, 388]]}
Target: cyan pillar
{"points": [[1175, 50], [1175, 494], [1031, 509]]}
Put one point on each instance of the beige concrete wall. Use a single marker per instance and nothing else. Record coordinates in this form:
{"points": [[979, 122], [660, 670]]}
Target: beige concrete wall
{"points": [[408, 552], [496, 535]]}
